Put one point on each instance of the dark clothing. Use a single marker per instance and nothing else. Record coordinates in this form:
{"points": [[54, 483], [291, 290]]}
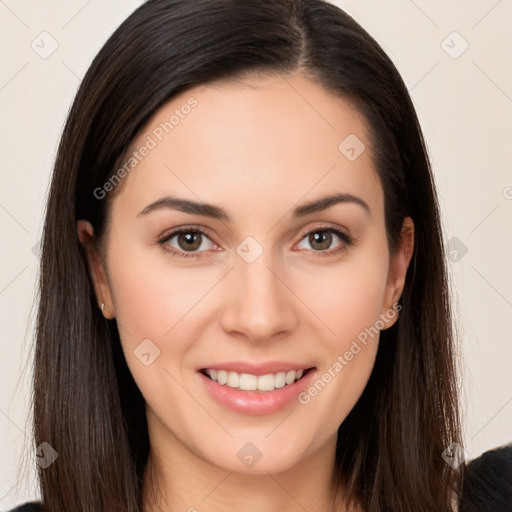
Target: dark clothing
{"points": [[488, 482], [33, 506]]}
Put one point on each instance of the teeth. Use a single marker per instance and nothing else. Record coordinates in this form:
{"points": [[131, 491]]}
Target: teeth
{"points": [[248, 382]]}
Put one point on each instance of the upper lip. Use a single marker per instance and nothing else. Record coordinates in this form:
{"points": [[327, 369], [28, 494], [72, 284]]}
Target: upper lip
{"points": [[257, 368]]}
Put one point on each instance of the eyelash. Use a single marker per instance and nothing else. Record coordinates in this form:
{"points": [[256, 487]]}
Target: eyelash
{"points": [[347, 239]]}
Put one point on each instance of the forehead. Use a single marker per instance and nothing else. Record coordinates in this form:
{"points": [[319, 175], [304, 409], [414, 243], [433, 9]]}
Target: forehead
{"points": [[249, 144]]}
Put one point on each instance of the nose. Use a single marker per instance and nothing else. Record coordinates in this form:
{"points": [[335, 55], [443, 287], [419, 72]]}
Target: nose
{"points": [[261, 304]]}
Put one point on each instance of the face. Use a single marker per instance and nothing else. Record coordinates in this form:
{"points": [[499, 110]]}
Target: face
{"points": [[264, 281]]}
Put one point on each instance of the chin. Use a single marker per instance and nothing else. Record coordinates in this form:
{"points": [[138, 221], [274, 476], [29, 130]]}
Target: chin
{"points": [[259, 456]]}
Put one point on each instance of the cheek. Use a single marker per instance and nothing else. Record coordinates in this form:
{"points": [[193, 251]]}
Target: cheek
{"points": [[348, 300], [348, 297], [153, 306], [348, 354], [157, 301], [150, 295]]}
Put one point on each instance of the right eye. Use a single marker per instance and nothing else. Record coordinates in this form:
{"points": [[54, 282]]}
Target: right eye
{"points": [[189, 241]]}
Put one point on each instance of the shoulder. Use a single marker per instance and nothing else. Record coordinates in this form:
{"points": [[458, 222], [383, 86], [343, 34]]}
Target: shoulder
{"points": [[487, 482], [33, 506]]}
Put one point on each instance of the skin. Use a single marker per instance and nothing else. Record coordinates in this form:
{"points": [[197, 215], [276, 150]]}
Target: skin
{"points": [[258, 149]]}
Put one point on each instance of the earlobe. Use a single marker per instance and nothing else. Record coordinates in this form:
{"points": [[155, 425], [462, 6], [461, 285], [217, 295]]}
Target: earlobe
{"points": [[397, 272], [85, 233]]}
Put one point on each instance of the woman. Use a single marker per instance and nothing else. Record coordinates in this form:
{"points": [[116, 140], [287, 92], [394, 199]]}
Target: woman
{"points": [[196, 349]]}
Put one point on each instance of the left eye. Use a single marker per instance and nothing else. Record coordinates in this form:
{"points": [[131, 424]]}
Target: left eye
{"points": [[321, 239]]}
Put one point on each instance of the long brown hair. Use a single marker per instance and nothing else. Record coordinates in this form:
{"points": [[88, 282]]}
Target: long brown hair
{"points": [[86, 403]]}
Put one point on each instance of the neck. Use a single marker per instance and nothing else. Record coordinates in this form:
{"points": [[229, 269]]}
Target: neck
{"points": [[176, 479]]}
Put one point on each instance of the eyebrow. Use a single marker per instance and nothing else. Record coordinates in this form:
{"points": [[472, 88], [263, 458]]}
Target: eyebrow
{"points": [[215, 212]]}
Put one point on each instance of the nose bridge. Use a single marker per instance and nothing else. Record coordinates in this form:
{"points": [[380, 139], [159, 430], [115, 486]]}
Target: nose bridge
{"points": [[260, 305]]}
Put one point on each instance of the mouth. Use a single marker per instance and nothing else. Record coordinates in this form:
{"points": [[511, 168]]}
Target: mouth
{"points": [[255, 383]]}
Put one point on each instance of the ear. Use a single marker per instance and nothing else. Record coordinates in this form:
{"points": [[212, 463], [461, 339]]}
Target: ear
{"points": [[396, 273], [96, 266]]}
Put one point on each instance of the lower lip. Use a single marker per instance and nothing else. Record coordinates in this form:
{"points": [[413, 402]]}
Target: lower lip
{"points": [[257, 402]]}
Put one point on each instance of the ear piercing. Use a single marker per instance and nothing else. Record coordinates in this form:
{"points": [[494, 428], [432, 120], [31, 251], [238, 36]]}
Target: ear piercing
{"points": [[102, 306]]}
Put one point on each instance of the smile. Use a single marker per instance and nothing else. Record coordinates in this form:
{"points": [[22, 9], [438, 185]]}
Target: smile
{"points": [[250, 382]]}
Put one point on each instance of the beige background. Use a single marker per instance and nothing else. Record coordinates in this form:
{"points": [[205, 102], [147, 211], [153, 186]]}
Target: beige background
{"points": [[464, 100]]}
